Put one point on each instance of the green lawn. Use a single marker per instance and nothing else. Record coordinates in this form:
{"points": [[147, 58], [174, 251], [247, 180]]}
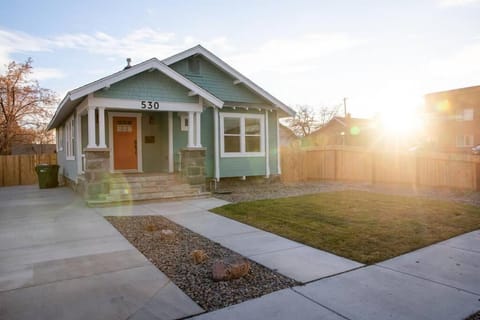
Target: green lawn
{"points": [[362, 226]]}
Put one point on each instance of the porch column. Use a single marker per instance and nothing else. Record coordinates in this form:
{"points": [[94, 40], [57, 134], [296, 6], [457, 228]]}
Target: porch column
{"points": [[198, 140], [101, 127], [91, 128], [190, 143]]}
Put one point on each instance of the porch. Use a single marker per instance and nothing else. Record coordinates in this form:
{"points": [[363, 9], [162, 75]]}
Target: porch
{"points": [[128, 187]]}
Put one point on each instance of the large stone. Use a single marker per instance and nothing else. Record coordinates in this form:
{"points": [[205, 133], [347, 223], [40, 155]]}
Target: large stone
{"points": [[230, 268]]}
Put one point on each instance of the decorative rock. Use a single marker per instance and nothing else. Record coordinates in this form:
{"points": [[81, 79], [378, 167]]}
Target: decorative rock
{"points": [[199, 256], [230, 268], [151, 227], [167, 234]]}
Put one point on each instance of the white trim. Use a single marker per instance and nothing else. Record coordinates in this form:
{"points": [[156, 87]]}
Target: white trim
{"points": [[267, 147], [78, 130], [92, 143], [137, 105], [170, 142], [70, 138], [234, 73], [101, 127], [153, 63], [279, 163], [60, 138], [198, 137], [216, 144], [139, 139], [190, 142], [242, 117]]}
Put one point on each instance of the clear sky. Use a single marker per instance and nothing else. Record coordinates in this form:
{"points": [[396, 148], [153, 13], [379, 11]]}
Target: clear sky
{"points": [[381, 55]]}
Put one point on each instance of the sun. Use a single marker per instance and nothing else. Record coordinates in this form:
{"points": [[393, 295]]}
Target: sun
{"points": [[400, 122]]}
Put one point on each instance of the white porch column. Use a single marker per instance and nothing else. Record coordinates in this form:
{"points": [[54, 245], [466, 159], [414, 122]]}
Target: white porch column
{"points": [[91, 128], [170, 142], [190, 143], [267, 147], [216, 144], [101, 127], [198, 140]]}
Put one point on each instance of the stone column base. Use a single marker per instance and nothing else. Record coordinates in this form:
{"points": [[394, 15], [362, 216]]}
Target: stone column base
{"points": [[97, 173], [193, 165]]}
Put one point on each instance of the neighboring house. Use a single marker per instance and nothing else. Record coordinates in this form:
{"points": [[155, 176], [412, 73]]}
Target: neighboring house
{"points": [[33, 148], [345, 131], [287, 136], [453, 119], [191, 114]]}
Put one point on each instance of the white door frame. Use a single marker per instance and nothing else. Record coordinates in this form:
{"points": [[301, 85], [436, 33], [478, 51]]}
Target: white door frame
{"points": [[139, 139]]}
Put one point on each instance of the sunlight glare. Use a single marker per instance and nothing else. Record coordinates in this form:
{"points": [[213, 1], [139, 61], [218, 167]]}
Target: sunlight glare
{"points": [[400, 123]]}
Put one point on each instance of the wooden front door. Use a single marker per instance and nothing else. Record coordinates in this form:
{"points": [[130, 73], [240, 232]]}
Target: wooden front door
{"points": [[125, 143]]}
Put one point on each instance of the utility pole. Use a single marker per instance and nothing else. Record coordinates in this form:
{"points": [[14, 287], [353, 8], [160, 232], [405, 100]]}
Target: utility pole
{"points": [[345, 107]]}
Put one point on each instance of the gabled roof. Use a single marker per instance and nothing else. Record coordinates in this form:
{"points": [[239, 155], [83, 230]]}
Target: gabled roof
{"points": [[75, 96], [344, 122], [228, 69]]}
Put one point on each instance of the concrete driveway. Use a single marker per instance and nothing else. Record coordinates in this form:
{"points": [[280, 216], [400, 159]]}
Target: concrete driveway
{"points": [[61, 260]]}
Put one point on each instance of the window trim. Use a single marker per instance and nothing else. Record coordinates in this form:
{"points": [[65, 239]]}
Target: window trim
{"points": [[462, 114], [464, 138], [70, 138], [60, 139], [242, 117]]}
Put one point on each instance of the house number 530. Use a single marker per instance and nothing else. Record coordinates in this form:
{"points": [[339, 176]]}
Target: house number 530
{"points": [[150, 104]]}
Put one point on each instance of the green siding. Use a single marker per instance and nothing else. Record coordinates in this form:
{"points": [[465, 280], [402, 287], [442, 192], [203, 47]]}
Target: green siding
{"points": [[68, 168], [217, 82], [155, 155], [245, 166], [180, 139], [152, 85], [273, 141], [208, 140]]}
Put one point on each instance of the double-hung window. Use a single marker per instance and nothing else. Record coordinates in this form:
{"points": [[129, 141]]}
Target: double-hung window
{"points": [[465, 140], [70, 138], [243, 135]]}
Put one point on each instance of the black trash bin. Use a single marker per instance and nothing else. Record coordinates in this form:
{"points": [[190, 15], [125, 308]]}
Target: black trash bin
{"points": [[47, 175]]}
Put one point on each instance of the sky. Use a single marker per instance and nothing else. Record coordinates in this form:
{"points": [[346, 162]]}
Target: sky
{"points": [[383, 56]]}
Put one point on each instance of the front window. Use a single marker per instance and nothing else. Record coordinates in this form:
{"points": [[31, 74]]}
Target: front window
{"points": [[242, 135], [465, 115], [69, 139]]}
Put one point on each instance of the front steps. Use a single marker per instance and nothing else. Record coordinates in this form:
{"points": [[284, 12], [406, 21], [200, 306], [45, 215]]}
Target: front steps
{"points": [[153, 186]]}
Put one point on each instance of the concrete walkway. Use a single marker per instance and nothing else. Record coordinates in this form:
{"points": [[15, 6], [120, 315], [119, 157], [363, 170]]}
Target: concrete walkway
{"points": [[438, 282], [61, 260]]}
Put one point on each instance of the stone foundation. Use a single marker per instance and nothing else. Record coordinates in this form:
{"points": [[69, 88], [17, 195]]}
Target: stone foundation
{"points": [[193, 165], [97, 168]]}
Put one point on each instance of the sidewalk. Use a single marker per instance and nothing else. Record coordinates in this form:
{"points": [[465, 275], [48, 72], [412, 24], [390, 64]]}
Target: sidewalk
{"points": [[60, 260], [438, 282]]}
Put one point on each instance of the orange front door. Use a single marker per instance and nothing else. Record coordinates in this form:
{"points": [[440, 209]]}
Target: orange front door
{"points": [[125, 143]]}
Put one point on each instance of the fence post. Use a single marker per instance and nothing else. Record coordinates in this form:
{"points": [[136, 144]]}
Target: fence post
{"points": [[335, 166], [373, 165]]}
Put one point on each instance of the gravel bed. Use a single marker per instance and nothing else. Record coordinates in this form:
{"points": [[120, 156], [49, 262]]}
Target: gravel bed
{"points": [[256, 190], [172, 257], [475, 316]]}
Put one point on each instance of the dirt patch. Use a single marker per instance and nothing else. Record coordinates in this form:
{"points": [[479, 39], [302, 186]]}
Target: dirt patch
{"points": [[172, 255]]}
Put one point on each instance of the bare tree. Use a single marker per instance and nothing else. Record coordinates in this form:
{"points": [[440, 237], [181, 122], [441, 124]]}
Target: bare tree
{"points": [[307, 120], [24, 106]]}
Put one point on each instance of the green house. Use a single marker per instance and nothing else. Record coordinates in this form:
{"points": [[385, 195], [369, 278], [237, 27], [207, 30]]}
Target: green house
{"points": [[188, 119]]}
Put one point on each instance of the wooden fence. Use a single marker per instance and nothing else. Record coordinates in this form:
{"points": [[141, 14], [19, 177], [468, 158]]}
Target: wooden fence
{"points": [[461, 171], [20, 169]]}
